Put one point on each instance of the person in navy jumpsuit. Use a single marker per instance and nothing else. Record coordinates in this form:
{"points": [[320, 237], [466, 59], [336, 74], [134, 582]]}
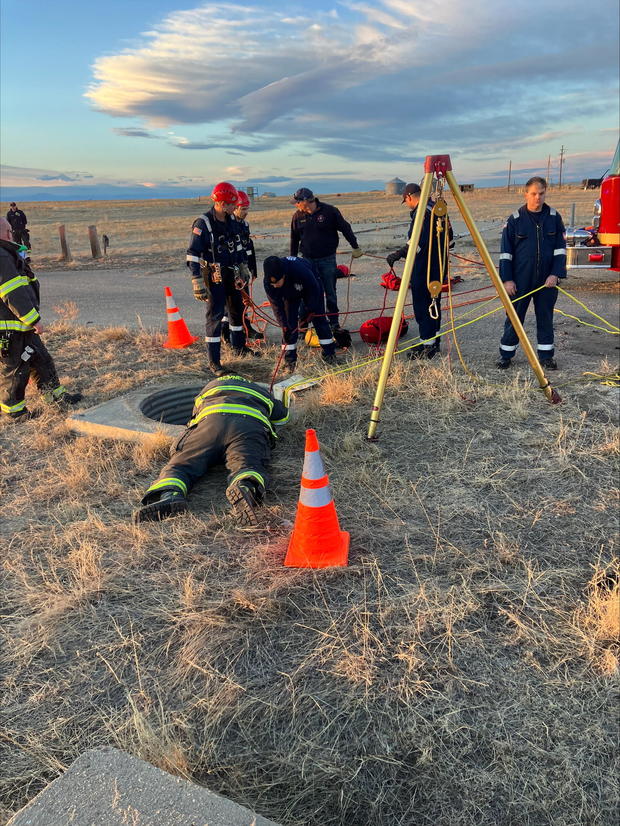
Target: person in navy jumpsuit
{"points": [[533, 254]]}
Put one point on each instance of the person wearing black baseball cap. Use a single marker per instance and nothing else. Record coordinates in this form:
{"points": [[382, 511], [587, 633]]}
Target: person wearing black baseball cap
{"points": [[428, 326], [288, 282], [314, 233], [18, 221]]}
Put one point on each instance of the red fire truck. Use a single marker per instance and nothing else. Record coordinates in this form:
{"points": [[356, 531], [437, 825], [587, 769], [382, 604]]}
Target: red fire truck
{"points": [[599, 245]]}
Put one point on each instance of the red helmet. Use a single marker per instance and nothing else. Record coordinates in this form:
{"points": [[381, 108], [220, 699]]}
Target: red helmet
{"points": [[242, 199], [224, 192]]}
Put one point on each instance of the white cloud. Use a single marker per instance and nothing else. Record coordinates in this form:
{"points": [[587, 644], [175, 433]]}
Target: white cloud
{"points": [[389, 77]]}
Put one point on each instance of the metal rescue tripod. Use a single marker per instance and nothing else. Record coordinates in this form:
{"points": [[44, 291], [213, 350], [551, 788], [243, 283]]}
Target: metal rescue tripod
{"points": [[440, 166]]}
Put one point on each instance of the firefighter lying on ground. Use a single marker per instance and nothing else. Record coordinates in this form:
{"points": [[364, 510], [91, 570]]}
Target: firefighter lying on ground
{"points": [[218, 275], [232, 422], [289, 282], [22, 353], [245, 244]]}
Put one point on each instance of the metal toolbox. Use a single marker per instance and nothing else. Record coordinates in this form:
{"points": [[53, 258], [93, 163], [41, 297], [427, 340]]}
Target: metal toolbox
{"points": [[588, 257]]}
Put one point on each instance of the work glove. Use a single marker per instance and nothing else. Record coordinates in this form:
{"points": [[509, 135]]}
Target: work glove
{"points": [[200, 289], [357, 253], [392, 258]]}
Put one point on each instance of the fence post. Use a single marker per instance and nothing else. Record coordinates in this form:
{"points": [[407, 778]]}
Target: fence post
{"points": [[94, 241], [572, 215], [64, 245]]}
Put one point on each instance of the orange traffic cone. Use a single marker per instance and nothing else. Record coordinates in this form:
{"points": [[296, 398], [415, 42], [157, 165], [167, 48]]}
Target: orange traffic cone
{"points": [[178, 334], [316, 541]]}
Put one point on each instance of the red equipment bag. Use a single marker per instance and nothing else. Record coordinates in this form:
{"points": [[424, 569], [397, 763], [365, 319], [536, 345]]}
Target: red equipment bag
{"points": [[390, 281], [377, 330]]}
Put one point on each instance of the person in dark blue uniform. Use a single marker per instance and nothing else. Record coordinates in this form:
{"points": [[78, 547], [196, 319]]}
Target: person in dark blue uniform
{"points": [[233, 422], [533, 254], [314, 232], [288, 282], [421, 297], [214, 262]]}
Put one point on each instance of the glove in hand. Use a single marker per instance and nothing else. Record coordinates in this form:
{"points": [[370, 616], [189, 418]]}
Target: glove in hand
{"points": [[357, 253], [392, 259], [200, 289]]}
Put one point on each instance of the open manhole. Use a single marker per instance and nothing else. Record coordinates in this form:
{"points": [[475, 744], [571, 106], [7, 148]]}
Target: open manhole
{"points": [[171, 406]]}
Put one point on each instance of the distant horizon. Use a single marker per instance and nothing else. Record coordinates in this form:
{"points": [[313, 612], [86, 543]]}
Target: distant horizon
{"points": [[78, 194]]}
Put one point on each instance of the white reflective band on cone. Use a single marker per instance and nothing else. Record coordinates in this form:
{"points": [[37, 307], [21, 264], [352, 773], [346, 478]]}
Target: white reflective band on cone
{"points": [[313, 466], [175, 315], [170, 305], [315, 497]]}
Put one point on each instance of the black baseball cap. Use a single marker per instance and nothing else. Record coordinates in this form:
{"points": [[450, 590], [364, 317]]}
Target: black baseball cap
{"points": [[12, 203], [410, 189], [273, 269], [303, 194]]}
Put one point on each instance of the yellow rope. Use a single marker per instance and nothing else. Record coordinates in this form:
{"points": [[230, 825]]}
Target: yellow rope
{"points": [[586, 324], [587, 309]]}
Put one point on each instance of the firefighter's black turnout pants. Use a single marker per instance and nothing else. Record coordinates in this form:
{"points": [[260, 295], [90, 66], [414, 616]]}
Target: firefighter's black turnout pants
{"points": [[23, 355], [242, 443]]}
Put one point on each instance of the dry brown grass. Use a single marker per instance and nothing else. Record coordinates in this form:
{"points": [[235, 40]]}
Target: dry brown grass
{"points": [[463, 669]]}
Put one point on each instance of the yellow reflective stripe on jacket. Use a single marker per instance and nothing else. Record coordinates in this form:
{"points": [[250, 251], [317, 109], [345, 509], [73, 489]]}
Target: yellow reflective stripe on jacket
{"points": [[31, 317], [283, 420], [239, 409], [16, 326], [236, 388], [13, 284]]}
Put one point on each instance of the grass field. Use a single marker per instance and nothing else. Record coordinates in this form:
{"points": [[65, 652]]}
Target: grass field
{"points": [[464, 669]]}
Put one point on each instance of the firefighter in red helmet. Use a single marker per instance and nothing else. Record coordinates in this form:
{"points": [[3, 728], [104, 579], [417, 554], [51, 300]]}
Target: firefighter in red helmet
{"points": [[215, 262]]}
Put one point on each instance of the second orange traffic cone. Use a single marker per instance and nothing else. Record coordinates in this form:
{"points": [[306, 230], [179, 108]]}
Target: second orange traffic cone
{"points": [[316, 541], [178, 334]]}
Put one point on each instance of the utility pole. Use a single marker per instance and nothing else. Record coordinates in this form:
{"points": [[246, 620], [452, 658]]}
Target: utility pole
{"points": [[548, 170], [509, 174], [561, 165]]}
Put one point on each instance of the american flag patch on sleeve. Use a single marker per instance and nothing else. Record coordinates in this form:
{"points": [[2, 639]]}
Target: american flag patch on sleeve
{"points": [[197, 231]]}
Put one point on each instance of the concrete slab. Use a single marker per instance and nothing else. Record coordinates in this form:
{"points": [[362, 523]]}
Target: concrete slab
{"points": [[106, 787]]}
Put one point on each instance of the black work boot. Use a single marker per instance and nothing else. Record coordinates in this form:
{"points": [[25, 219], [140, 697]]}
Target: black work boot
{"points": [[431, 350], [288, 368], [245, 499], [23, 416], [247, 352], [217, 369], [253, 334], [415, 353], [68, 399], [548, 364], [503, 364], [332, 360], [170, 503]]}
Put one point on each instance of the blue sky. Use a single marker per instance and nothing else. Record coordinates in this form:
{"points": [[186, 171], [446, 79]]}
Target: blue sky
{"points": [[159, 96]]}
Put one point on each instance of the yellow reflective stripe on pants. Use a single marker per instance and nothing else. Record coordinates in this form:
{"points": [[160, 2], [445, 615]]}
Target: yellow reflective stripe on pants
{"points": [[237, 409], [168, 483], [248, 474], [12, 408], [237, 389]]}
